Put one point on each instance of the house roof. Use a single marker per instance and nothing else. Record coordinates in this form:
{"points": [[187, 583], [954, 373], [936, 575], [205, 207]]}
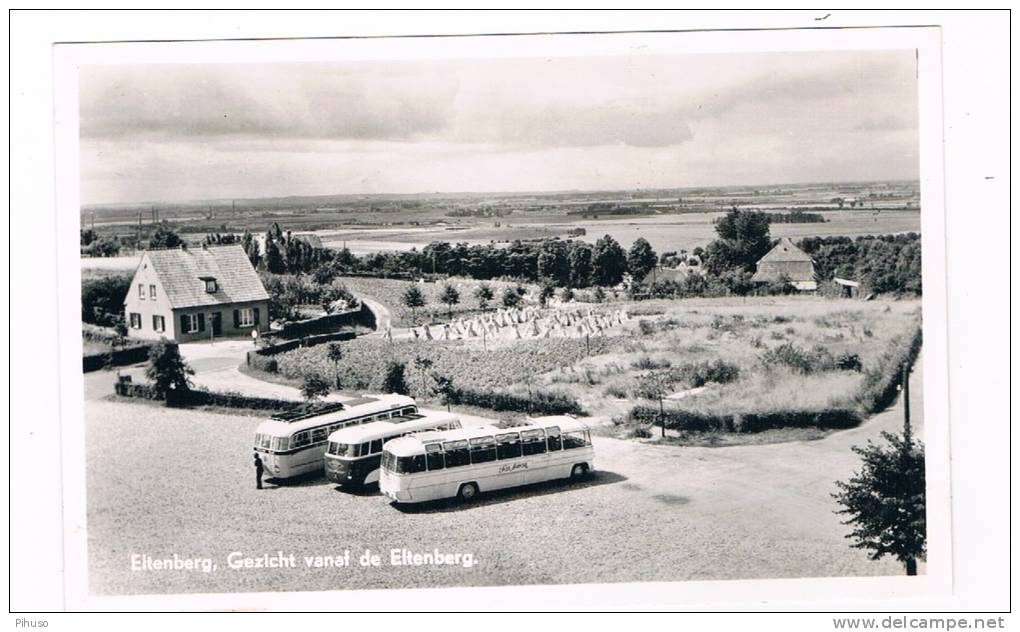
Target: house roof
{"points": [[785, 250], [182, 273]]}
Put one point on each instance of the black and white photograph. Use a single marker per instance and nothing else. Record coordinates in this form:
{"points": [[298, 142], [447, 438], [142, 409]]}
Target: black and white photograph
{"points": [[656, 309]]}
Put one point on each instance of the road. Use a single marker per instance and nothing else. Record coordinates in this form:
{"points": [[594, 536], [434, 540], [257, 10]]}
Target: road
{"points": [[651, 513]]}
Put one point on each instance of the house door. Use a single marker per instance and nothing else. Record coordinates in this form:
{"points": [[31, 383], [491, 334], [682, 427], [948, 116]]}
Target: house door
{"points": [[216, 322]]}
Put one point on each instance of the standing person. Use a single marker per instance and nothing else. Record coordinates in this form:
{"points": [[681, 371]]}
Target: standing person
{"points": [[258, 471]]}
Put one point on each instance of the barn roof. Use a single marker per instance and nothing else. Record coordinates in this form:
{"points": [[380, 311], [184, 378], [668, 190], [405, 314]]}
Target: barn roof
{"points": [[183, 272], [785, 250]]}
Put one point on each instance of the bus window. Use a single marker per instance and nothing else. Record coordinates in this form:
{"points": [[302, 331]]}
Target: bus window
{"points": [[363, 449], [457, 453], [319, 435], [508, 445], [483, 450], [265, 441], [376, 446], [573, 440], [280, 444], [411, 464], [553, 438], [434, 456], [335, 427], [534, 442], [408, 411], [300, 439]]}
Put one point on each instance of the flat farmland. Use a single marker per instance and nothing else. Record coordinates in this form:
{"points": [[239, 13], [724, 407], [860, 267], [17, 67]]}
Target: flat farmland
{"points": [[665, 232], [184, 485]]}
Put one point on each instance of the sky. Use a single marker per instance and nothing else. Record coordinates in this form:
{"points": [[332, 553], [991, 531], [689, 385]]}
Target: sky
{"points": [[172, 133]]}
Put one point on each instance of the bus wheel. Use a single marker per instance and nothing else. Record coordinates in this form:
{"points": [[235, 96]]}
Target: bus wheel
{"points": [[579, 471], [467, 491]]}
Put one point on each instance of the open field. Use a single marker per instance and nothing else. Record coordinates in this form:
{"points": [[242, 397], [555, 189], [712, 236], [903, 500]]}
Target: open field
{"points": [[665, 232], [781, 354], [185, 486]]}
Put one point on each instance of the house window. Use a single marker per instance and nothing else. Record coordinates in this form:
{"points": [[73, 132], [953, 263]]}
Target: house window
{"points": [[152, 292], [141, 292], [136, 320], [158, 323], [245, 317], [210, 285], [189, 323]]}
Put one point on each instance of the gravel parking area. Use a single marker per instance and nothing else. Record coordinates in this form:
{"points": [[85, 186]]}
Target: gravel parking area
{"points": [[164, 482]]}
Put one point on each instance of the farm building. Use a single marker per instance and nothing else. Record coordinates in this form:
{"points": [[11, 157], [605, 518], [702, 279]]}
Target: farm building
{"points": [[195, 294], [787, 262]]}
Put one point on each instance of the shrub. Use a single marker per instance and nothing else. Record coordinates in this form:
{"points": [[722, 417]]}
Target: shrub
{"points": [[646, 328], [538, 402], [791, 356], [168, 372], [102, 299], [645, 363], [394, 380], [701, 373], [314, 386], [849, 362]]}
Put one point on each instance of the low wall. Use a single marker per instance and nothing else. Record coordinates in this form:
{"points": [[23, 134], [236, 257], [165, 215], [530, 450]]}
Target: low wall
{"points": [[116, 357]]}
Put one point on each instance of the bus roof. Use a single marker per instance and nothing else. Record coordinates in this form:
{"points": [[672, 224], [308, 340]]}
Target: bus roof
{"points": [[362, 407], [408, 446], [396, 426]]}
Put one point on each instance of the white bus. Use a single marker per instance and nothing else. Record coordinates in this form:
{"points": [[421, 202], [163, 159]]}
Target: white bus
{"points": [[465, 462], [353, 454], [291, 444]]}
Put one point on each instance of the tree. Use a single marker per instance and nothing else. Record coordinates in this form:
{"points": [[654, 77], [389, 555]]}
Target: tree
{"points": [[393, 380], [885, 501], [743, 240], [546, 293], [552, 263], [641, 259], [87, 236], [165, 237], [579, 261], [335, 353], [422, 365], [483, 293], [609, 262], [443, 388], [510, 298], [314, 387], [656, 385], [168, 372], [413, 299], [274, 260], [450, 296], [251, 248], [600, 295]]}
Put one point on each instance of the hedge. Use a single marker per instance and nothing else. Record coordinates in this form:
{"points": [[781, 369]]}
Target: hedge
{"points": [[202, 397], [826, 419], [329, 323], [881, 387], [262, 358], [541, 402], [117, 357]]}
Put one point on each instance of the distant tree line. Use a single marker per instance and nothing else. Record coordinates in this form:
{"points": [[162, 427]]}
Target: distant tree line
{"points": [[886, 264], [796, 217]]}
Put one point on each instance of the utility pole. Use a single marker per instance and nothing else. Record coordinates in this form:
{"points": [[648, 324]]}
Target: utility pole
{"points": [[906, 402]]}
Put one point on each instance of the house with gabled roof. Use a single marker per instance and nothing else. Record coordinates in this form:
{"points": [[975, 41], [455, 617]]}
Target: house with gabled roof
{"points": [[787, 262], [196, 293]]}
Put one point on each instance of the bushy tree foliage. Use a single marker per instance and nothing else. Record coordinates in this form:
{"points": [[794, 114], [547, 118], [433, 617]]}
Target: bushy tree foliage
{"points": [[641, 259], [885, 500], [168, 372], [743, 240], [483, 294], [165, 237], [413, 298], [609, 262], [394, 380], [314, 387], [510, 298], [450, 297]]}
